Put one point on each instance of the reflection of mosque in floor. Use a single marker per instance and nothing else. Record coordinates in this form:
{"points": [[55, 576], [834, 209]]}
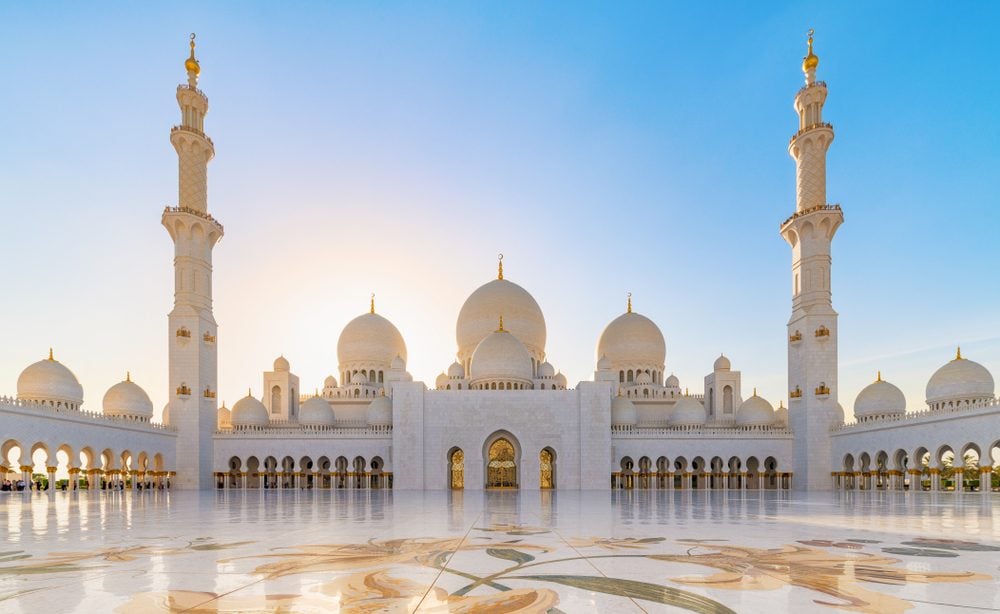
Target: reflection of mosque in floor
{"points": [[502, 416]]}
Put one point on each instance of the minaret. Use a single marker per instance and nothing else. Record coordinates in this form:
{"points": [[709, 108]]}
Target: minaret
{"points": [[192, 327], [812, 329]]}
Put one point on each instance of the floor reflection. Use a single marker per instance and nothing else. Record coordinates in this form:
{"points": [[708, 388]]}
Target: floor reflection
{"points": [[503, 550]]}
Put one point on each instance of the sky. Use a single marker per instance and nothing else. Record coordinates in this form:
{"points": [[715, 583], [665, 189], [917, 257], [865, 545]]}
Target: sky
{"points": [[397, 148]]}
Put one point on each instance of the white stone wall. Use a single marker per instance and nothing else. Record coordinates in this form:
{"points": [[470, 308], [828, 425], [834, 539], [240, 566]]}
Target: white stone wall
{"points": [[916, 433], [74, 431], [298, 445]]}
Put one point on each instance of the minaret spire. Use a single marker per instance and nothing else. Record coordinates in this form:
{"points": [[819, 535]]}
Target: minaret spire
{"points": [[373, 303], [192, 66], [629, 307], [499, 266], [809, 62]]}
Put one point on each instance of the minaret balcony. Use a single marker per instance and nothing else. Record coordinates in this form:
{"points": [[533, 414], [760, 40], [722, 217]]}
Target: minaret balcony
{"points": [[796, 337], [168, 210], [183, 333], [209, 394], [823, 391], [795, 394], [822, 333], [809, 128], [810, 210], [192, 130], [207, 338], [183, 391]]}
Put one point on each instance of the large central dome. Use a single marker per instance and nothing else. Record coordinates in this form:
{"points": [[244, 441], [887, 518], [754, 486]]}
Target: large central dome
{"points": [[521, 317]]}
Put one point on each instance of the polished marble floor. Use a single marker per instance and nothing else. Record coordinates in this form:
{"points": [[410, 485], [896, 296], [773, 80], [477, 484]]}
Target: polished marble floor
{"points": [[508, 551]]}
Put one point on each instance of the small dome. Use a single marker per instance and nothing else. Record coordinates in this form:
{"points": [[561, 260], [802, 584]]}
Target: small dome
{"points": [[441, 381], [248, 411], [522, 317], [755, 411], [330, 382], [643, 378], [722, 363], [456, 371], [632, 339], [316, 412], [281, 364], [223, 417], [623, 412], [49, 380], [127, 399], [165, 418], [838, 414], [546, 369], [688, 411], [960, 380], [370, 338], [781, 416], [359, 379], [604, 364], [560, 379], [397, 364], [501, 356], [380, 412], [672, 382], [879, 399]]}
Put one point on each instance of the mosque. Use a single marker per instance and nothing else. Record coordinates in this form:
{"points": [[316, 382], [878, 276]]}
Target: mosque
{"points": [[501, 415]]}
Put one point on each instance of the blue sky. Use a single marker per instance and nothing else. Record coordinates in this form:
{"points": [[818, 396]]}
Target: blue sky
{"points": [[396, 148]]}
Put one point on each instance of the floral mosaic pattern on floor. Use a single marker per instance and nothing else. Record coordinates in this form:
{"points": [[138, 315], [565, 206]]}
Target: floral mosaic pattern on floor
{"points": [[379, 551]]}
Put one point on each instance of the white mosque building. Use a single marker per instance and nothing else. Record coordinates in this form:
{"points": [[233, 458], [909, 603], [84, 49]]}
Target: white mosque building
{"points": [[501, 415]]}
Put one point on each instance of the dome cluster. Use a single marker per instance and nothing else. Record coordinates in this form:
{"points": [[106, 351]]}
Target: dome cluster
{"points": [[480, 313], [510, 356], [958, 383]]}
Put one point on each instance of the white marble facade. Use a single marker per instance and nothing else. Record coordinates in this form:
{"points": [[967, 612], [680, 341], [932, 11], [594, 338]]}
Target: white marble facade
{"points": [[502, 415]]}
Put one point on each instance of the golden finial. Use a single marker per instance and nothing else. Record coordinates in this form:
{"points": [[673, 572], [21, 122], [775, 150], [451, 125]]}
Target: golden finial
{"points": [[50, 354], [811, 61], [499, 266], [686, 393], [128, 376], [879, 377], [249, 391], [630, 302], [501, 330], [754, 391], [373, 303], [958, 353], [191, 64]]}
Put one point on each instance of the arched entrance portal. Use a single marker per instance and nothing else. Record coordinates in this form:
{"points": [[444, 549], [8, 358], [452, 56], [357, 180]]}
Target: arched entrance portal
{"points": [[501, 464], [456, 469]]}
